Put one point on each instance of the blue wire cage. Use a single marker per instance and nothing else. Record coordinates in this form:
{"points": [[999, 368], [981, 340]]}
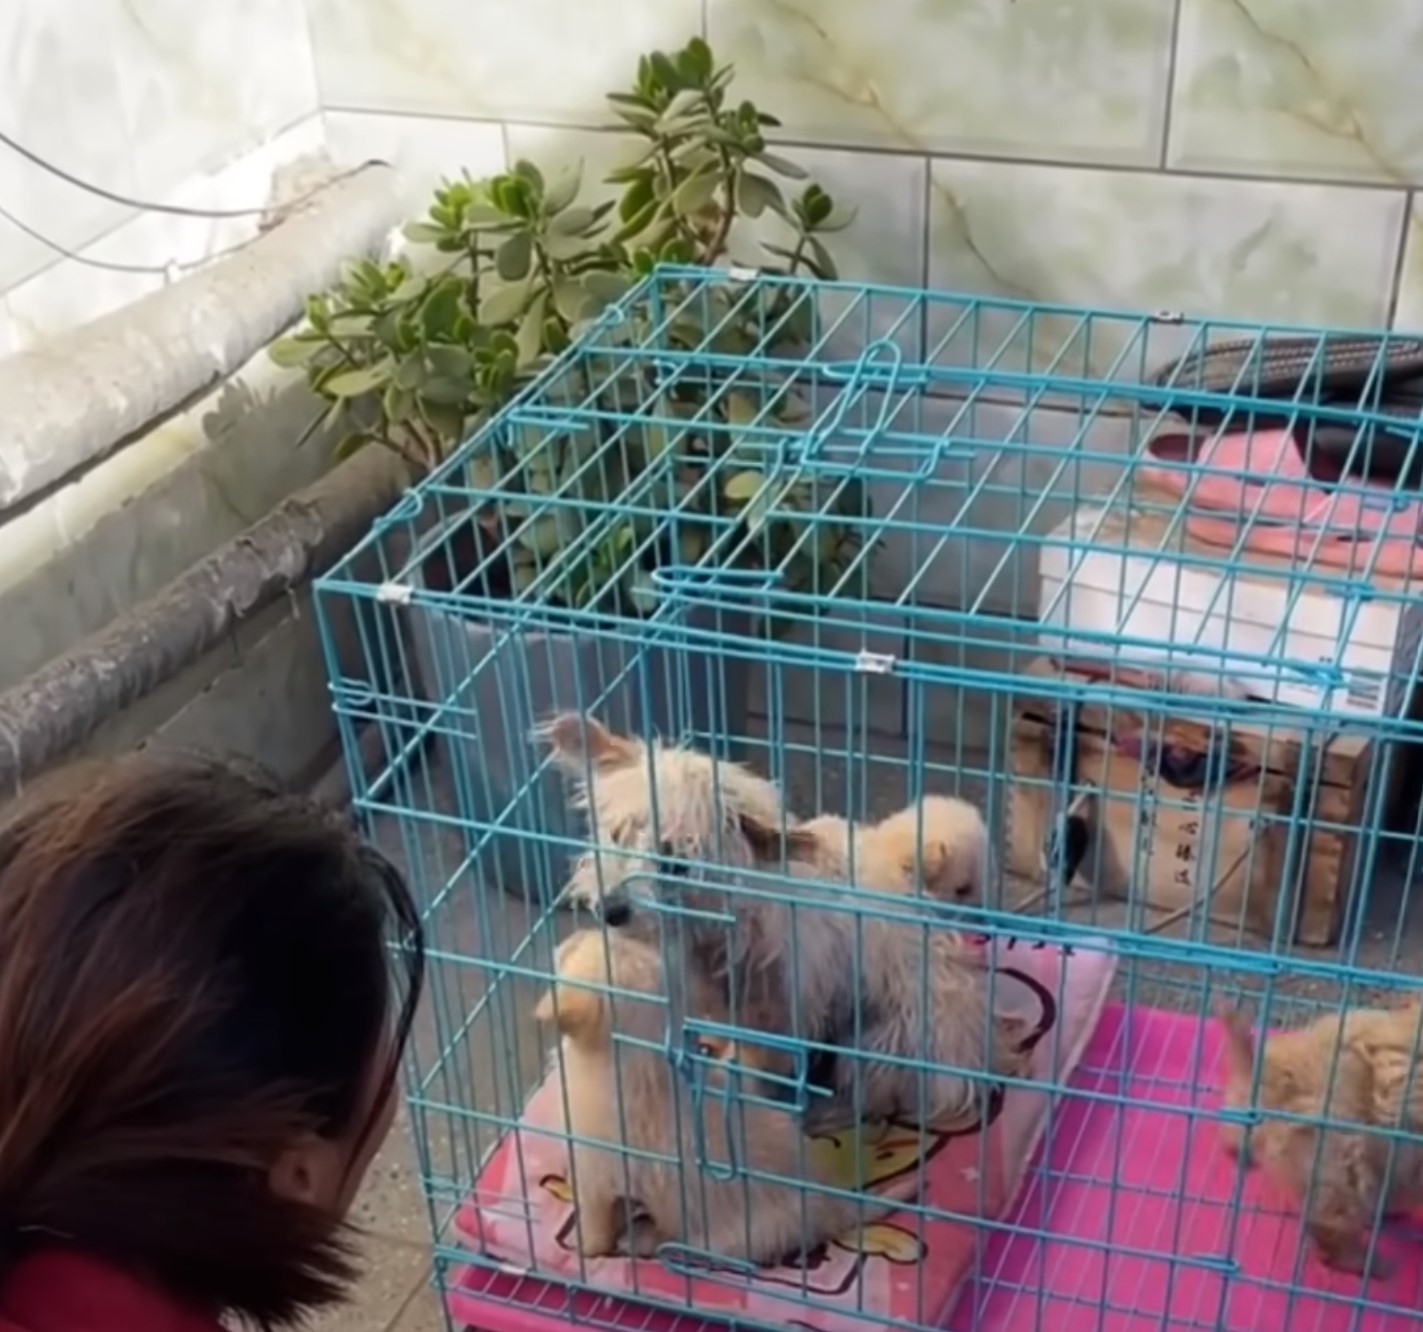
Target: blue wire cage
{"points": [[1080, 569]]}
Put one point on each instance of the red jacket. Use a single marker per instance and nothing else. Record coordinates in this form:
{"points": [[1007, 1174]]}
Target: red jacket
{"points": [[62, 1291]]}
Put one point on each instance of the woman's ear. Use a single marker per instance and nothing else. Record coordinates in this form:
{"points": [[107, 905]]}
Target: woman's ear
{"points": [[312, 1171]]}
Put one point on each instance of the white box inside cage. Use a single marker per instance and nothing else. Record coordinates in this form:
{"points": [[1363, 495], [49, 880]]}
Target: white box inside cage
{"points": [[1258, 631]]}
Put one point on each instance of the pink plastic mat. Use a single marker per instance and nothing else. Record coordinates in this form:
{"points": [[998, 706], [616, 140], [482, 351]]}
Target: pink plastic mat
{"points": [[1169, 1209], [1147, 1179]]}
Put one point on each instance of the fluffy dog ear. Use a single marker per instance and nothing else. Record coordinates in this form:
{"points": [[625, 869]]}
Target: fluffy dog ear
{"points": [[932, 864], [579, 742], [771, 842]]}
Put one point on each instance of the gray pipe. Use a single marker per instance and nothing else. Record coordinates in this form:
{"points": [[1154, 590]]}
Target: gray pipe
{"points": [[73, 402], [46, 716]]}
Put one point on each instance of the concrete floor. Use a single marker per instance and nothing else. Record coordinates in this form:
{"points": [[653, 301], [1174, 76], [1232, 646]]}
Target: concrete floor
{"points": [[501, 1052]]}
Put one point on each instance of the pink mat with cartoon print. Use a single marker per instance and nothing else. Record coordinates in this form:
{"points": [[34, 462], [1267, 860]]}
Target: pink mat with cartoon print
{"points": [[1129, 1167], [521, 1211]]}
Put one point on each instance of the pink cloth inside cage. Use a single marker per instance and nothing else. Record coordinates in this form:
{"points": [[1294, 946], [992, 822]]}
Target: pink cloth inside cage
{"points": [[1146, 1177], [1154, 1183], [519, 1216]]}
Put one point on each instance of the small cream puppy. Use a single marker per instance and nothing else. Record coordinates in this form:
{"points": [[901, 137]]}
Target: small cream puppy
{"points": [[626, 1095]]}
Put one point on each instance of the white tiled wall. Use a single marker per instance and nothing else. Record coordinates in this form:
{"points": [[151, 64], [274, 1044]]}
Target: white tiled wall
{"points": [[1241, 157], [150, 100], [1246, 157]]}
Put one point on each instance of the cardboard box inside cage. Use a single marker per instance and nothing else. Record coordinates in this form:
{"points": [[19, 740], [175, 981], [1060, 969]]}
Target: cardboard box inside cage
{"points": [[1187, 814]]}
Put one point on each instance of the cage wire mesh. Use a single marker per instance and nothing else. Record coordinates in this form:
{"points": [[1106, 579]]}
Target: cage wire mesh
{"points": [[1139, 589]]}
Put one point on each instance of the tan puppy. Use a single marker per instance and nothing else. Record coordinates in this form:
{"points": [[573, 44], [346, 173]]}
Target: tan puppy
{"points": [[626, 1095], [675, 834], [1358, 1070], [951, 863]]}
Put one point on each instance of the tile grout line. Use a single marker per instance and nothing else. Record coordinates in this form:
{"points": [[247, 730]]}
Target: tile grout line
{"points": [[1219, 174], [1173, 58], [1400, 259]]}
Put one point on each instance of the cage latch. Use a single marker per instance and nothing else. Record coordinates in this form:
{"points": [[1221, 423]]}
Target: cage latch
{"points": [[710, 1057]]}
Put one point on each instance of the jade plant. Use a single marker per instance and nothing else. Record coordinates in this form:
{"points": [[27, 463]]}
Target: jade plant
{"points": [[504, 274]]}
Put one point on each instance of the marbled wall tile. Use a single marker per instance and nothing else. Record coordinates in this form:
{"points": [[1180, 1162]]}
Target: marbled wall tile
{"points": [[59, 97], [8, 343], [1032, 78], [424, 149], [1300, 88], [502, 59], [1409, 312], [201, 84], [1221, 248]]}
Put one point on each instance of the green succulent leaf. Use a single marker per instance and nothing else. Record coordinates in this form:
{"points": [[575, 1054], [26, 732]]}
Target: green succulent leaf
{"points": [[606, 287], [444, 392], [293, 352], [818, 260], [513, 259], [446, 419], [397, 404], [664, 71], [527, 171], [424, 233], [637, 223], [579, 221], [563, 190], [360, 381], [573, 300], [639, 118], [755, 194], [441, 308], [503, 304], [696, 192], [781, 166], [530, 337], [840, 220]]}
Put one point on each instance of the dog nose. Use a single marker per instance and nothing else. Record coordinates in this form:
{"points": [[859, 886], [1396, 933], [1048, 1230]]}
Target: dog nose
{"points": [[616, 911]]}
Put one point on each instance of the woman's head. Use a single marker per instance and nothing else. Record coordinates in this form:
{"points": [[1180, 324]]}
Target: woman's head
{"points": [[199, 1033]]}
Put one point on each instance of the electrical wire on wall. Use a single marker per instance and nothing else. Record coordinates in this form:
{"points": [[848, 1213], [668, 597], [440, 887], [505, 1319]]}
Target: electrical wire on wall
{"points": [[143, 206]]}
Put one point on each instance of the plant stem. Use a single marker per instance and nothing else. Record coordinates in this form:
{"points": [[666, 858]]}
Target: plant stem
{"points": [[717, 244], [781, 303], [430, 448], [669, 173], [549, 270], [411, 460]]}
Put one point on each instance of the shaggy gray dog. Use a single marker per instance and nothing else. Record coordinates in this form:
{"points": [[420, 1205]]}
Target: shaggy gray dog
{"points": [[902, 1009]]}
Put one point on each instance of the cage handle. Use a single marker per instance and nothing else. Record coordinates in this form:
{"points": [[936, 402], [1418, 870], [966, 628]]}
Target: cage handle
{"points": [[867, 372], [699, 578]]}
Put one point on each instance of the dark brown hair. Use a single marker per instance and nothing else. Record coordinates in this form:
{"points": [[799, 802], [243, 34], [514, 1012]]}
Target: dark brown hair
{"points": [[194, 972]]}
